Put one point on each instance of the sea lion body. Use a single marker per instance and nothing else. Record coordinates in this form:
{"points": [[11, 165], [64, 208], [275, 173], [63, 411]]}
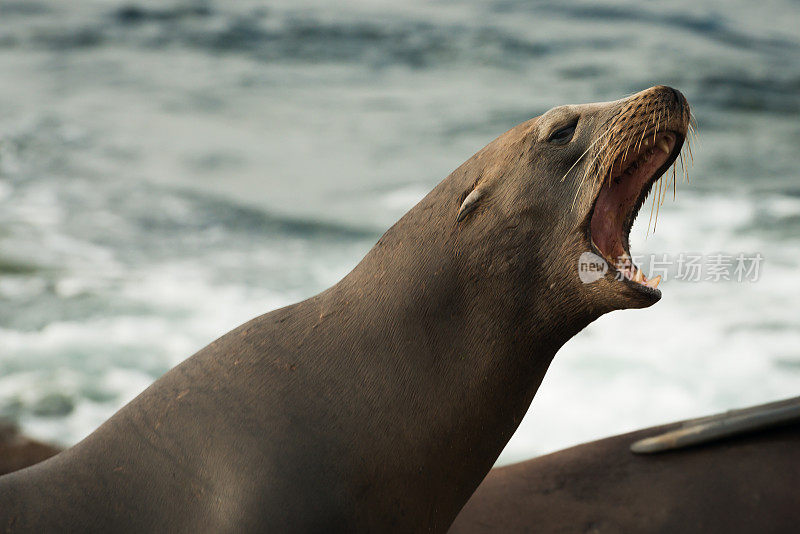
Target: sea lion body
{"points": [[746, 484], [18, 451], [381, 403]]}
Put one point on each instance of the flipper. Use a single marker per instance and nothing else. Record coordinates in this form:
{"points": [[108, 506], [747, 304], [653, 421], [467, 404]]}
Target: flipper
{"points": [[723, 425]]}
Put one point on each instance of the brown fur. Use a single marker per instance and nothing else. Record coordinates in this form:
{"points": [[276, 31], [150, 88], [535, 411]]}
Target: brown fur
{"points": [[18, 451], [379, 404], [747, 484]]}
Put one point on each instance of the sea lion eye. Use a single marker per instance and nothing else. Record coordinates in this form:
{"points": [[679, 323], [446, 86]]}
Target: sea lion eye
{"points": [[562, 135]]}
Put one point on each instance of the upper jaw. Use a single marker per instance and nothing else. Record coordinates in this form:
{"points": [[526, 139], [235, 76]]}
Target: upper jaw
{"points": [[618, 200]]}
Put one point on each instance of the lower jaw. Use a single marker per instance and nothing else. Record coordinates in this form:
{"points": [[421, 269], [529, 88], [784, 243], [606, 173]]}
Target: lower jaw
{"points": [[629, 271]]}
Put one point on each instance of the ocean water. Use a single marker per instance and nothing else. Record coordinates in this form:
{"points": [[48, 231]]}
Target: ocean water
{"points": [[170, 169]]}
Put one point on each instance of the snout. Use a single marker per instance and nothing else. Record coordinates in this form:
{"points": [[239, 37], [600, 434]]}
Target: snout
{"points": [[667, 98]]}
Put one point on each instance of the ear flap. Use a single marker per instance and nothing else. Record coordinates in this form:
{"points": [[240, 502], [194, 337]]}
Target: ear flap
{"points": [[469, 204]]}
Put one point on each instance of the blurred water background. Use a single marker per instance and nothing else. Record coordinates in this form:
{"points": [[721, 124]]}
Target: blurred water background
{"points": [[170, 169]]}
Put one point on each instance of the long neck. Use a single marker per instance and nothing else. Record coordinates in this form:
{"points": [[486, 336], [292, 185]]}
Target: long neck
{"points": [[398, 387], [448, 346]]}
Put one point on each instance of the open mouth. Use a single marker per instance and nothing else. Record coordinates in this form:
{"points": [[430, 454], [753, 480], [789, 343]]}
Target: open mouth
{"points": [[631, 178]]}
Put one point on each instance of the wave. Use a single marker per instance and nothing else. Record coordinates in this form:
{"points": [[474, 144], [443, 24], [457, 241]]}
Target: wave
{"points": [[749, 92], [291, 36], [713, 26]]}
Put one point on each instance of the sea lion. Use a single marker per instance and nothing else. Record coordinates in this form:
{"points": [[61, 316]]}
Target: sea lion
{"points": [[381, 403], [18, 451], [747, 483]]}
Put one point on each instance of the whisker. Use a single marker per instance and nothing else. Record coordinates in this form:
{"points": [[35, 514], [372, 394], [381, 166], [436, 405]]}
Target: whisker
{"points": [[694, 134], [658, 205], [674, 183], [655, 128], [644, 132], [590, 166], [683, 168], [584, 153], [652, 209], [625, 154]]}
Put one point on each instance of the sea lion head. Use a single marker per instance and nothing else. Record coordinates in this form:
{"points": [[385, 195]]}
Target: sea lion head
{"points": [[562, 191]]}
